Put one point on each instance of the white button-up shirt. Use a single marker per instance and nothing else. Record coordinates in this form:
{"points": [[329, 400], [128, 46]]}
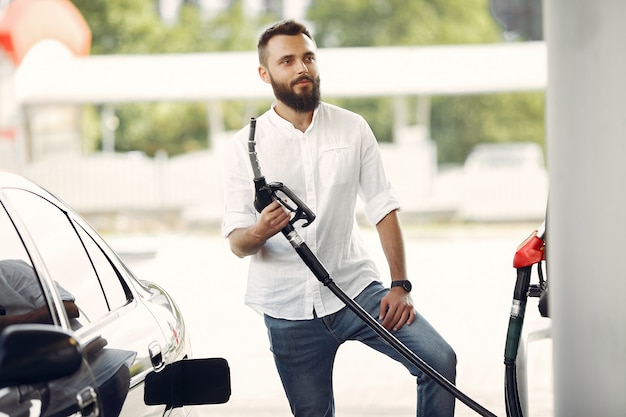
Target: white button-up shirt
{"points": [[327, 166]]}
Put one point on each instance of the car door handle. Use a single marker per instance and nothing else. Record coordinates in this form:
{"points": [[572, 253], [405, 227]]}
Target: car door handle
{"points": [[156, 356], [87, 400]]}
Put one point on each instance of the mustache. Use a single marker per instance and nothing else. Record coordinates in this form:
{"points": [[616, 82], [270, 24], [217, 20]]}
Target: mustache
{"points": [[302, 78]]}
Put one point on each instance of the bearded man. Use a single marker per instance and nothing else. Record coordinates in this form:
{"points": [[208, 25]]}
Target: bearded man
{"points": [[328, 156]]}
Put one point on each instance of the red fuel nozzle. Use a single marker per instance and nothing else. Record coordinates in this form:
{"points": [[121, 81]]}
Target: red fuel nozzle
{"points": [[530, 251]]}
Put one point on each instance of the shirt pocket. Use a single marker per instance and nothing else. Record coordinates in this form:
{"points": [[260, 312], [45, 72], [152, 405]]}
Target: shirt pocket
{"points": [[336, 165]]}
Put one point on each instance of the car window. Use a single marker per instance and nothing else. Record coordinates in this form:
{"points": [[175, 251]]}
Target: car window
{"points": [[64, 248], [21, 295], [115, 291]]}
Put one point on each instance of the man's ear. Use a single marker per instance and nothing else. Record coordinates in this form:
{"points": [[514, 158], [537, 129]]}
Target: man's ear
{"points": [[264, 74]]}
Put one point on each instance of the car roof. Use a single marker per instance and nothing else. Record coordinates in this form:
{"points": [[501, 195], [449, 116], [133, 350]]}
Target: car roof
{"points": [[9, 179], [13, 180]]}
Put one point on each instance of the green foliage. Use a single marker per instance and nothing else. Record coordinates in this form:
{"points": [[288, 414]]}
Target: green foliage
{"points": [[461, 122], [121, 26], [90, 129], [400, 22], [135, 27], [173, 127], [457, 123]]}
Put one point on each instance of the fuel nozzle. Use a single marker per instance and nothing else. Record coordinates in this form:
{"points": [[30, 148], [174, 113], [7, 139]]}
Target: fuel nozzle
{"points": [[265, 193], [262, 192]]}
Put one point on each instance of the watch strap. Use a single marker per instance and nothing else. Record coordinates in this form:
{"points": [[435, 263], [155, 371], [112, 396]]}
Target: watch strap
{"points": [[405, 284]]}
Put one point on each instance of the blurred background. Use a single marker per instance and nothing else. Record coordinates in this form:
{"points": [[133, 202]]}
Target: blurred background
{"points": [[121, 108]]}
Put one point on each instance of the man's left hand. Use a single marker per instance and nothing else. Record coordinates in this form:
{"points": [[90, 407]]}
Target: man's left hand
{"points": [[396, 309]]}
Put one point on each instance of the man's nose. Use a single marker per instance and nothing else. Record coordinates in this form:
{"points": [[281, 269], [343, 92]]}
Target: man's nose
{"points": [[303, 68]]}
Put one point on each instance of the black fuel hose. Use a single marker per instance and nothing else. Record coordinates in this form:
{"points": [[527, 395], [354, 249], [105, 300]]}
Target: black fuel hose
{"points": [[263, 197]]}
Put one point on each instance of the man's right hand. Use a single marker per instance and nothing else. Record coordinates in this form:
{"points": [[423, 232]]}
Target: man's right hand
{"points": [[248, 241], [272, 220]]}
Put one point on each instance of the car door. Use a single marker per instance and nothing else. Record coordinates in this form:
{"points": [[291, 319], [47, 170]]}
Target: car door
{"points": [[24, 300], [121, 337]]}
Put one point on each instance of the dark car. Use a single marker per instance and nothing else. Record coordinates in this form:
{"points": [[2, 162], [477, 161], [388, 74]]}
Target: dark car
{"points": [[80, 335]]}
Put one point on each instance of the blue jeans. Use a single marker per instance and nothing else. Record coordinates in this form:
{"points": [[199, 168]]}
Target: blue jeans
{"points": [[304, 352]]}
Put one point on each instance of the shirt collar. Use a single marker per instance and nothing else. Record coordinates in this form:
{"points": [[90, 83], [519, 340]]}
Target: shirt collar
{"points": [[275, 117]]}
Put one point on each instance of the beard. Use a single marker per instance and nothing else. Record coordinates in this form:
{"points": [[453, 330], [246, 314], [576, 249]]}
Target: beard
{"points": [[303, 102]]}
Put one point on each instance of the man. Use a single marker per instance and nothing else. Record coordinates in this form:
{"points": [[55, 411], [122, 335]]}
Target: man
{"points": [[327, 156]]}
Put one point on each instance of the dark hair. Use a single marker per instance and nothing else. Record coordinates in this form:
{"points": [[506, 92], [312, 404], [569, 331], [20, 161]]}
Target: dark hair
{"points": [[285, 27]]}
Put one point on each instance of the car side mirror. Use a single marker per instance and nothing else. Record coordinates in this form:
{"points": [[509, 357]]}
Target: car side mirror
{"points": [[189, 382], [34, 353]]}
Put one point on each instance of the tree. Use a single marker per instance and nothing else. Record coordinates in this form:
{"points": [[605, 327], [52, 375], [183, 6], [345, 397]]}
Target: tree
{"points": [[398, 22], [460, 122], [457, 123], [135, 27]]}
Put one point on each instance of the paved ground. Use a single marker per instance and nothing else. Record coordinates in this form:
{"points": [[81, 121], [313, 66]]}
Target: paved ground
{"points": [[463, 279]]}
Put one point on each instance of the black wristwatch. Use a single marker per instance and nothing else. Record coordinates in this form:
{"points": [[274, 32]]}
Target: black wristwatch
{"points": [[405, 284]]}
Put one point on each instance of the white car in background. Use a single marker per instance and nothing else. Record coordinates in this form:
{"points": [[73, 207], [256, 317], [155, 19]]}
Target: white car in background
{"points": [[504, 182]]}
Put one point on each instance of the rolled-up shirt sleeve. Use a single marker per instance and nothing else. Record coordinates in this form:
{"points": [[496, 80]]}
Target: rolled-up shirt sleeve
{"points": [[375, 190], [381, 205]]}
